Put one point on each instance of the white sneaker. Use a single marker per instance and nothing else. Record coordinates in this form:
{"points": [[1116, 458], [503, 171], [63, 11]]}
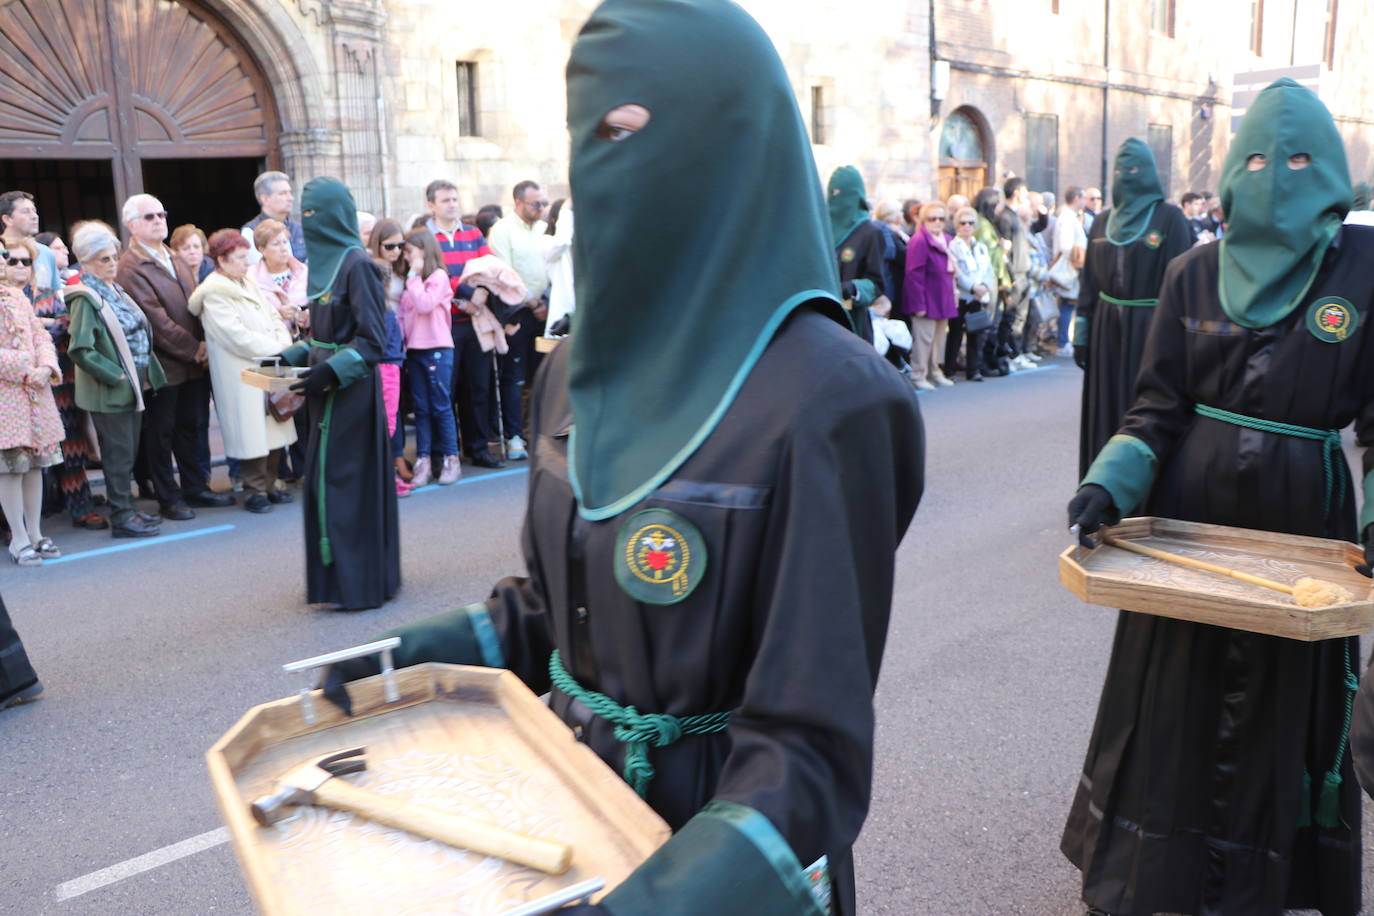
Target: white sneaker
{"points": [[515, 449], [1021, 362], [1033, 356], [1064, 352], [944, 381], [421, 474], [922, 385], [451, 471]]}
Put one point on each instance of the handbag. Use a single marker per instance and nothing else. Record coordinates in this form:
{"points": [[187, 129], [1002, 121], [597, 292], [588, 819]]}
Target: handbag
{"points": [[976, 321], [282, 405], [1062, 273]]}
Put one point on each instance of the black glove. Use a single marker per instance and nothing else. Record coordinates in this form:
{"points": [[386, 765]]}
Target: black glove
{"points": [[316, 381], [1080, 358], [270, 360], [847, 290], [561, 327], [1090, 507], [1368, 568], [340, 673]]}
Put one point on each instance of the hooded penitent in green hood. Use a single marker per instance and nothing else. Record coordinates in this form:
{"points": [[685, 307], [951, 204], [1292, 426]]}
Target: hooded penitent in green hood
{"points": [[329, 221], [696, 236], [847, 202], [1279, 220], [1135, 192]]}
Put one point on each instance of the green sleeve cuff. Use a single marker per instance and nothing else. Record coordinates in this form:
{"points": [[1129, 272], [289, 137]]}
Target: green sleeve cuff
{"points": [[1367, 510], [864, 292], [297, 354], [1081, 331], [349, 366], [462, 637], [729, 858], [1126, 469]]}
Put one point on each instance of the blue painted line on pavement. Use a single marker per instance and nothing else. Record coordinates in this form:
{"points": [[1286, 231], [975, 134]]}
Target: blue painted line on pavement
{"points": [[429, 487], [139, 543]]}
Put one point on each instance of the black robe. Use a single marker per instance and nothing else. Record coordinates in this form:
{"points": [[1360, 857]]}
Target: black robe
{"points": [[358, 489], [16, 673], [1191, 798], [1126, 272], [800, 503], [861, 257]]}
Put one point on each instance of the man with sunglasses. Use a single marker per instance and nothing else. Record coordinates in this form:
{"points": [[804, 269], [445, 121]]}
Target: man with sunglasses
{"points": [[518, 240], [175, 420]]}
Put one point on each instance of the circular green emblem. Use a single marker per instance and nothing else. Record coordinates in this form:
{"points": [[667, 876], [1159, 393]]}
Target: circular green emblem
{"points": [[1332, 319], [847, 255], [1154, 239], [660, 557]]}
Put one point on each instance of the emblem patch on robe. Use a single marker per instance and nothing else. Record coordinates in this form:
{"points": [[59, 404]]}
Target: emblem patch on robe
{"points": [[1154, 239], [661, 557], [1332, 319], [847, 255]]}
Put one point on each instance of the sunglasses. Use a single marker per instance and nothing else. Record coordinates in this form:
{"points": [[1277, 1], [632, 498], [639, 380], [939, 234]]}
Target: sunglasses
{"points": [[156, 214], [537, 204], [19, 262], [968, 222], [392, 246], [935, 219]]}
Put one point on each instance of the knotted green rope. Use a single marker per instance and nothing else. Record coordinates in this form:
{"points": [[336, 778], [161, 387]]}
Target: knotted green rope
{"points": [[1329, 438], [636, 729], [1329, 804], [326, 549], [1138, 303]]}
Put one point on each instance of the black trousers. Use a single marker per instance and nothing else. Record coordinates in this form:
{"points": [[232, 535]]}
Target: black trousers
{"points": [[15, 671], [516, 367], [472, 371], [171, 428]]}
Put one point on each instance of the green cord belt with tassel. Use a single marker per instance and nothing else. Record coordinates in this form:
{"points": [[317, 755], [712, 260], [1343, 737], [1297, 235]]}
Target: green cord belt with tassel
{"points": [[637, 730], [1137, 303], [326, 550], [1329, 801]]}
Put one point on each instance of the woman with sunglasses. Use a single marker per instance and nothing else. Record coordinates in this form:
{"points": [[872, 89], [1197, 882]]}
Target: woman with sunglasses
{"points": [[30, 427], [112, 347], [928, 297], [387, 247], [975, 284]]}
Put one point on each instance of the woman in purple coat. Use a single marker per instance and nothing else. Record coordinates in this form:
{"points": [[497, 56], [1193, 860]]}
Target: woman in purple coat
{"points": [[928, 296]]}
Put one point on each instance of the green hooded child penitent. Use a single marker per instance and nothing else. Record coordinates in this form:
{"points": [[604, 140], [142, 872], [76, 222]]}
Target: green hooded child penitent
{"points": [[1135, 192], [329, 221], [676, 301], [847, 201], [1280, 219]]}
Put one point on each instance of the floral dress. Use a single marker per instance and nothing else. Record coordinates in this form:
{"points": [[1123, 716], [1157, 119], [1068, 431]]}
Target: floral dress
{"points": [[73, 491], [30, 428]]}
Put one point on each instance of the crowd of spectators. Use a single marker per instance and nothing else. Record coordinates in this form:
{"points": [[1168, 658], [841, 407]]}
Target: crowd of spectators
{"points": [[124, 355]]}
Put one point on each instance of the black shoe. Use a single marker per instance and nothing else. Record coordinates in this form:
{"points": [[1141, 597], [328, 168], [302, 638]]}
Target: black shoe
{"points": [[257, 503], [23, 695], [280, 496], [977, 377], [136, 526], [177, 511], [152, 518], [210, 499], [485, 459]]}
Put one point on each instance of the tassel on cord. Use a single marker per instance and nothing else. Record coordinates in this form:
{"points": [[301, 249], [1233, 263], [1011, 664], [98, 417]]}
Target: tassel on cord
{"points": [[1305, 809], [1329, 803]]}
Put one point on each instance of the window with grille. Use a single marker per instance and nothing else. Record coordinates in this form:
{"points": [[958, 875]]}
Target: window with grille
{"points": [[1042, 152], [468, 125], [1162, 145]]}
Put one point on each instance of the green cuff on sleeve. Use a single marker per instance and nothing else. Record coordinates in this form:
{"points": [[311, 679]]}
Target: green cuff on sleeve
{"points": [[349, 366], [298, 354], [864, 292], [1081, 331], [1367, 510], [462, 637], [1126, 469], [729, 858]]}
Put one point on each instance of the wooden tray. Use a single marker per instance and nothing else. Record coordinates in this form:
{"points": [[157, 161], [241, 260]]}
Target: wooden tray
{"points": [[1121, 579], [273, 379], [473, 741]]}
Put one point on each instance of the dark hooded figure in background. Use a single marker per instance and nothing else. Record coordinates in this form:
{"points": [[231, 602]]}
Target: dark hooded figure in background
{"points": [[1118, 291], [778, 517], [861, 247], [352, 542], [1217, 778]]}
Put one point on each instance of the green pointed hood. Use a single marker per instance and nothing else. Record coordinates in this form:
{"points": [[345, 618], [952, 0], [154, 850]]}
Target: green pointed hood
{"points": [[696, 236], [329, 220], [848, 203], [1279, 220], [1136, 192]]}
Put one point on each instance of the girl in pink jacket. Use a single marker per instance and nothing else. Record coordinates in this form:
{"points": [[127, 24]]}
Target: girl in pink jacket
{"points": [[425, 322]]}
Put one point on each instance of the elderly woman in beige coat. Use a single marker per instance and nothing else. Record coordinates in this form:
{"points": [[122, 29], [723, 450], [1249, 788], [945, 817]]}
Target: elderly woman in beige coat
{"points": [[241, 328]]}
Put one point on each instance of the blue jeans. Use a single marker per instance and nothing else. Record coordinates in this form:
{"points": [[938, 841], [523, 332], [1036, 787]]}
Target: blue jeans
{"points": [[1066, 307], [431, 379]]}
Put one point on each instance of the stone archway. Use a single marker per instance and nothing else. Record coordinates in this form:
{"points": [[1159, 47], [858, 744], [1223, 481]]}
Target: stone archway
{"points": [[965, 153]]}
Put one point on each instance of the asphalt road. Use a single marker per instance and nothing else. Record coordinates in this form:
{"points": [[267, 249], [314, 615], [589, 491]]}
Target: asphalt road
{"points": [[148, 655]]}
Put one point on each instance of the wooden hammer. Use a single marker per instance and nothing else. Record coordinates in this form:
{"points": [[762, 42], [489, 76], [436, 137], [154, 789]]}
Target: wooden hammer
{"points": [[313, 783]]}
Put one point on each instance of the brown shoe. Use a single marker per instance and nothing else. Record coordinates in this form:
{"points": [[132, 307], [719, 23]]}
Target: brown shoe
{"points": [[403, 469]]}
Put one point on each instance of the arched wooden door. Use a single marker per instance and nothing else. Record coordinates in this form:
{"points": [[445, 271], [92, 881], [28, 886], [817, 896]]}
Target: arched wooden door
{"points": [[963, 156], [127, 81]]}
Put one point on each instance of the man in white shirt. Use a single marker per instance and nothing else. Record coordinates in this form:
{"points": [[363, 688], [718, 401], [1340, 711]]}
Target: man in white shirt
{"points": [[1069, 251], [520, 240]]}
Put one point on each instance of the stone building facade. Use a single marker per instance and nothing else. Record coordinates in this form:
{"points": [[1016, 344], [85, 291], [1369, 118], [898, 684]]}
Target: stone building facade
{"points": [[189, 99]]}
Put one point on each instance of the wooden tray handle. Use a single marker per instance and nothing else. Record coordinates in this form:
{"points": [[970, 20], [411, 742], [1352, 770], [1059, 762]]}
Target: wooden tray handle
{"points": [[546, 855]]}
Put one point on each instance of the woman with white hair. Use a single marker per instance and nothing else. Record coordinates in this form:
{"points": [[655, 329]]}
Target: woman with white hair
{"points": [[112, 348]]}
